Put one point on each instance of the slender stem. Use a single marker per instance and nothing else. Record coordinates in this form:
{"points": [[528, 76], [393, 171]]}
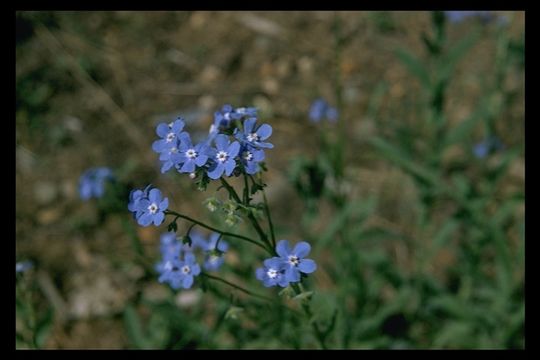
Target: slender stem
{"points": [[250, 216], [224, 233], [269, 217], [309, 314], [246, 190], [135, 241], [237, 287]]}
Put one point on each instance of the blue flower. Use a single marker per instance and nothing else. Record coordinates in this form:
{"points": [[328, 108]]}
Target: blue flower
{"points": [[254, 136], [179, 273], [214, 257], [134, 197], [224, 117], [487, 146], [294, 261], [23, 266], [170, 156], [320, 110], [170, 249], [223, 157], [273, 273], [168, 133], [190, 155], [150, 209], [251, 158], [197, 242], [459, 16], [92, 182]]}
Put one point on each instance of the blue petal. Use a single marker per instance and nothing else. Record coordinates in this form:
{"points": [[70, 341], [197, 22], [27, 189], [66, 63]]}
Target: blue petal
{"points": [[249, 124], [221, 142], [162, 130], [155, 195], [188, 167], [178, 125], [195, 269], [145, 219], [260, 273], [264, 131], [302, 249], [229, 166], [163, 205], [307, 266], [187, 282], [216, 172], [158, 218], [201, 160], [233, 149], [292, 274], [283, 249]]}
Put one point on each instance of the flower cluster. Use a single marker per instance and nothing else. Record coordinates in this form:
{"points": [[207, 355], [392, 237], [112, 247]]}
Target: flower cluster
{"points": [[92, 182], [286, 268], [218, 154], [179, 266], [320, 110], [148, 206]]}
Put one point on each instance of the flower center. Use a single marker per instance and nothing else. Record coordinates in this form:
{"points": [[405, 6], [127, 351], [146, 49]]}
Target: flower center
{"points": [[170, 136], [186, 269], [272, 273], [213, 258], [153, 208], [248, 156], [222, 156], [191, 154], [173, 150], [293, 260], [253, 137]]}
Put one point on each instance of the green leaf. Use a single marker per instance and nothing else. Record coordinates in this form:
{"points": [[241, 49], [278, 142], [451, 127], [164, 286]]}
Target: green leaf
{"points": [[43, 328], [464, 129], [134, 328], [399, 157], [415, 66], [455, 54]]}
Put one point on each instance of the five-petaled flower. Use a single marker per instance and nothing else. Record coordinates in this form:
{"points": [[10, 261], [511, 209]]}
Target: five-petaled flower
{"points": [[151, 209], [223, 157], [169, 134], [272, 273], [92, 182], [254, 136], [294, 261], [190, 155], [178, 273]]}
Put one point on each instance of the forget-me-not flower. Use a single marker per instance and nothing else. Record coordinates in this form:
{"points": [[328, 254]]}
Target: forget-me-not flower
{"points": [[190, 155], [254, 136], [92, 182], [178, 273], [272, 273], [320, 110], [151, 209], [294, 261], [251, 157], [168, 133], [223, 157]]}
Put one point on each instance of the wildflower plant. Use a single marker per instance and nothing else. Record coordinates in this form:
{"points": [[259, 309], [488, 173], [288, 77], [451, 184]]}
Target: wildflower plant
{"points": [[236, 146]]}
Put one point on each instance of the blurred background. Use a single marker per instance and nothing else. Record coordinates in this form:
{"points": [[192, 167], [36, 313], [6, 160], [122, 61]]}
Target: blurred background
{"points": [[413, 200]]}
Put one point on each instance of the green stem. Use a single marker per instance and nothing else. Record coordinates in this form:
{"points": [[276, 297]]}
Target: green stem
{"points": [[269, 217], [237, 287], [224, 233], [250, 216], [309, 314]]}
